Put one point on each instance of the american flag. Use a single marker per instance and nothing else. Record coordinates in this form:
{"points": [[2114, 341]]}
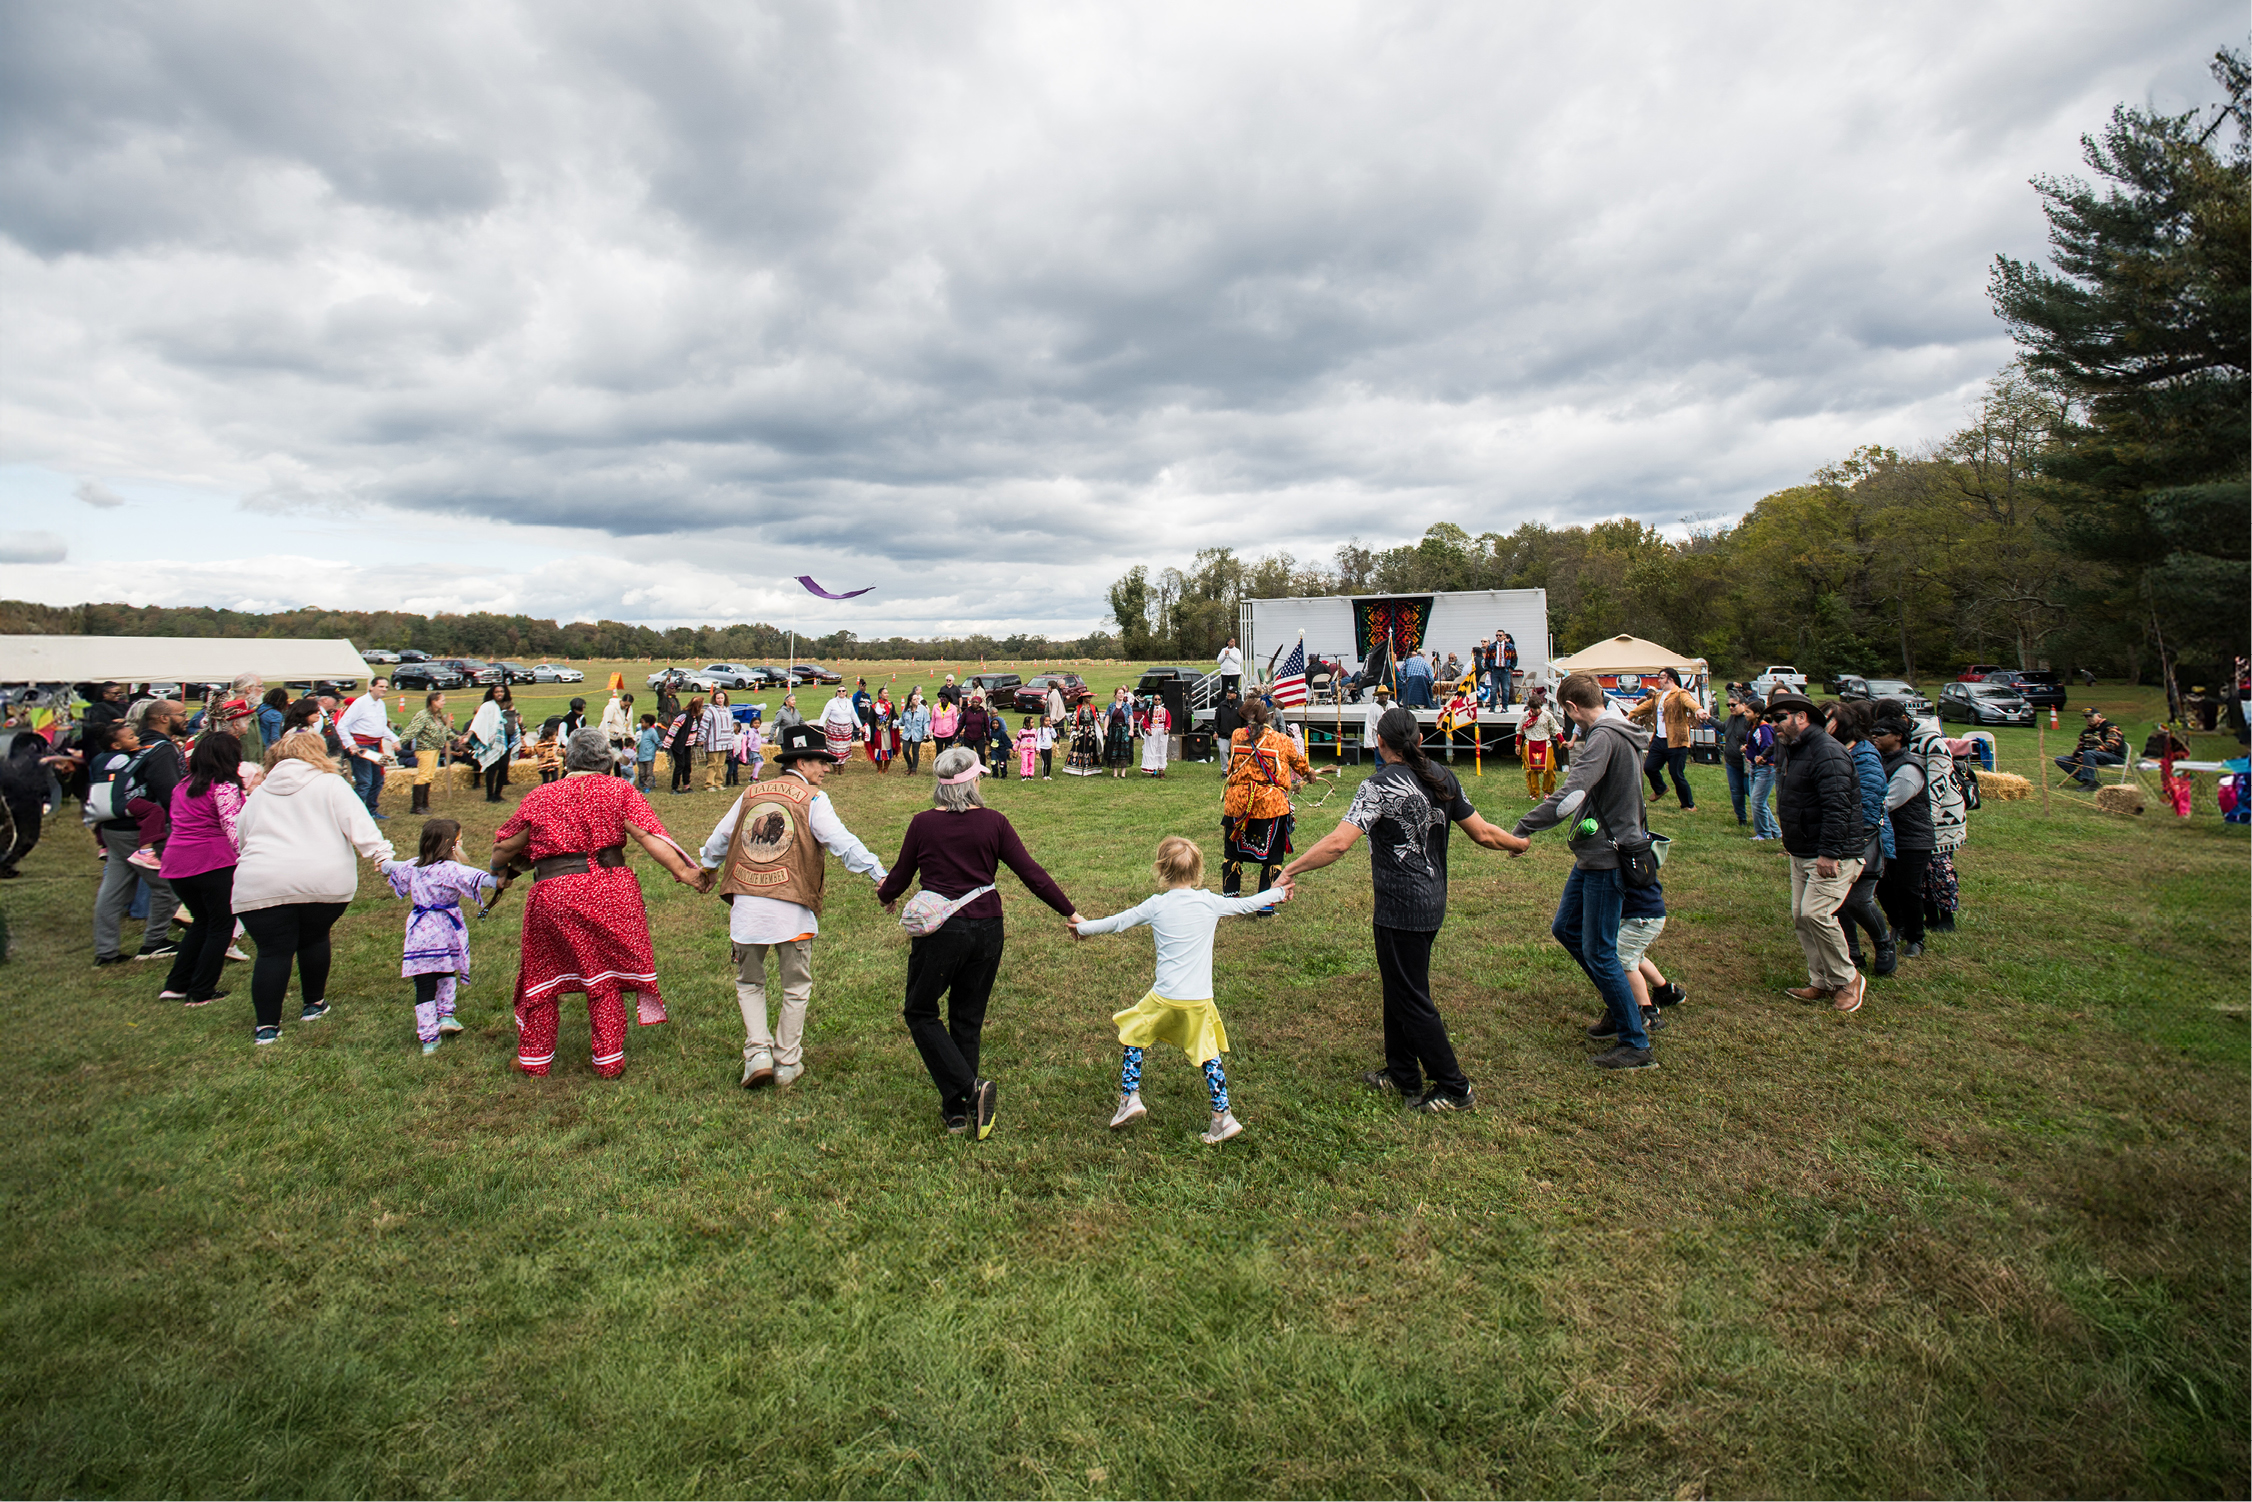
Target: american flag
{"points": [[1290, 685]]}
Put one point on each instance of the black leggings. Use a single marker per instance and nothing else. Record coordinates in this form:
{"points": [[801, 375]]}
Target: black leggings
{"points": [[496, 778], [1860, 910], [958, 962], [1048, 762], [203, 953], [296, 931], [910, 752], [683, 767], [1901, 891]]}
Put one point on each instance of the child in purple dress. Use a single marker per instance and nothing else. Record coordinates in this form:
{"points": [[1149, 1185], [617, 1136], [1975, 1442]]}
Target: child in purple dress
{"points": [[437, 951]]}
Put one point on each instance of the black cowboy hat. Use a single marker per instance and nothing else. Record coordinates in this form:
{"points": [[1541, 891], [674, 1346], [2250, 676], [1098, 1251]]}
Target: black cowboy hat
{"points": [[801, 741], [1787, 703]]}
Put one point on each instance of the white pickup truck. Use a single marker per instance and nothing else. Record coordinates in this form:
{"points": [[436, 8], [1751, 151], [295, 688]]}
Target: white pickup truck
{"points": [[1784, 676]]}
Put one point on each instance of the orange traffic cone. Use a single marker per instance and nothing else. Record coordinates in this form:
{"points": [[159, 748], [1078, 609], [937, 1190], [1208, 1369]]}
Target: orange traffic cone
{"points": [[2052, 717]]}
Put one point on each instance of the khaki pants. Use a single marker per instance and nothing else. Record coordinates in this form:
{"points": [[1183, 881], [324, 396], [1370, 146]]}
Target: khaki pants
{"points": [[1815, 901], [715, 770], [425, 768], [1540, 781], [796, 958]]}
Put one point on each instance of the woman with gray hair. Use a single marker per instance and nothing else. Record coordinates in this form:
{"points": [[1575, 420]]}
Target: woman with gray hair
{"points": [[957, 847], [585, 925]]}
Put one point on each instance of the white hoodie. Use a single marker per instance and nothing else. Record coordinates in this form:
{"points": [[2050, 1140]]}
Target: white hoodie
{"points": [[298, 833]]}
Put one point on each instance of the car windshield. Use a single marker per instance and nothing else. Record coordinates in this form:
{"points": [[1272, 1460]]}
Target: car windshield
{"points": [[1890, 686], [1992, 690]]}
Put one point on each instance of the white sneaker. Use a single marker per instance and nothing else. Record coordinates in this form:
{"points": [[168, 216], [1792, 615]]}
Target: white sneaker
{"points": [[234, 952], [1130, 1110], [758, 1069], [785, 1074], [1224, 1126]]}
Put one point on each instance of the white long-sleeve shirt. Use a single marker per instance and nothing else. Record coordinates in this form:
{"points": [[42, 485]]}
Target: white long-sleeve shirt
{"points": [[616, 723], [1231, 666], [769, 920], [364, 716], [1182, 920]]}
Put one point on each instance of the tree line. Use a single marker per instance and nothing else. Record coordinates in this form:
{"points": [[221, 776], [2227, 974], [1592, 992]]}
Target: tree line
{"points": [[526, 638], [2093, 511]]}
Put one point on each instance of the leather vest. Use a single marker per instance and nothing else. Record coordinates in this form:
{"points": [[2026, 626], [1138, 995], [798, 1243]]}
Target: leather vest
{"points": [[774, 853]]}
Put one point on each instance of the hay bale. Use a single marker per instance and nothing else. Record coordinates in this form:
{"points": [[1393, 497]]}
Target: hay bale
{"points": [[2007, 786], [2120, 798], [462, 774]]}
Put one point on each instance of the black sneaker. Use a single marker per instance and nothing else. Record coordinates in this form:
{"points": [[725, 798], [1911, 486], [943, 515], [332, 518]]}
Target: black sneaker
{"points": [[1670, 995], [109, 959], [1382, 1083], [1602, 1032], [1907, 952], [159, 952], [956, 1122], [1437, 1099], [1624, 1057], [1652, 1019], [985, 1099]]}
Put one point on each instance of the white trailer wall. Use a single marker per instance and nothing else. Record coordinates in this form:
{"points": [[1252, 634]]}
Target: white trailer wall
{"points": [[1270, 625]]}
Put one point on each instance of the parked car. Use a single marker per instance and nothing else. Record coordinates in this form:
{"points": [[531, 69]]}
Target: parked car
{"points": [[677, 679], [2039, 686], [1780, 676], [475, 670], [814, 672], [768, 676], [515, 672], [1032, 696], [1977, 671], [427, 675], [1984, 704], [1899, 688], [377, 654], [548, 672], [411, 655], [1850, 686], [998, 688], [727, 675]]}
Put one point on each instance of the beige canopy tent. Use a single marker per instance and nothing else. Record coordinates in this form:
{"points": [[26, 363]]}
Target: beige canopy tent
{"points": [[174, 659], [1627, 654]]}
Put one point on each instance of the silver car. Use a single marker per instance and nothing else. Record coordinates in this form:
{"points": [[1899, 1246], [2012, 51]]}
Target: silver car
{"points": [[548, 672]]}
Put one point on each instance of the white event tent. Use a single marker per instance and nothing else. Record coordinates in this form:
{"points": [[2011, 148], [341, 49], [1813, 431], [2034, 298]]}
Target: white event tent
{"points": [[174, 659]]}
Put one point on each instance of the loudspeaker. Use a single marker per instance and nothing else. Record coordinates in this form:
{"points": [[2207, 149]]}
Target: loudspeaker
{"points": [[1172, 695], [1196, 745]]}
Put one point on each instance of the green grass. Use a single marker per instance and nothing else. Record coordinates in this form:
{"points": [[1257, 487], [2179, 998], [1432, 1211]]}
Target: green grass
{"points": [[1988, 1235]]}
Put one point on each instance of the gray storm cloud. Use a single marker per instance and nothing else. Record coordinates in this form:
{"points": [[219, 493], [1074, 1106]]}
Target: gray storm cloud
{"points": [[976, 287]]}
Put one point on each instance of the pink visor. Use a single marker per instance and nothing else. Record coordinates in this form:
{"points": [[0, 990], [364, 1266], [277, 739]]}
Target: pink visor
{"points": [[977, 770]]}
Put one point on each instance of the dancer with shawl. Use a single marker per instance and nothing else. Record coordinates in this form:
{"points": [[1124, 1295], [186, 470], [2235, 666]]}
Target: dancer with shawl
{"points": [[840, 722], [1255, 820], [1118, 733], [1086, 755], [585, 926], [492, 739]]}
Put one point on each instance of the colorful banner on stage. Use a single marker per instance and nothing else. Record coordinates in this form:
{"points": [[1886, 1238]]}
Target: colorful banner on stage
{"points": [[1398, 619]]}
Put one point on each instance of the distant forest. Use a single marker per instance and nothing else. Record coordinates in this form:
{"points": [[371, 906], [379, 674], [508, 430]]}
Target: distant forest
{"points": [[527, 639]]}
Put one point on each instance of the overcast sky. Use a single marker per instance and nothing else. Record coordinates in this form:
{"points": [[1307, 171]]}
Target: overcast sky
{"points": [[588, 309]]}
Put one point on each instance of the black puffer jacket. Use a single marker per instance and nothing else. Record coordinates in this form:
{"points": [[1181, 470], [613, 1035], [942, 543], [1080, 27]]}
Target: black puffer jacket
{"points": [[1818, 798]]}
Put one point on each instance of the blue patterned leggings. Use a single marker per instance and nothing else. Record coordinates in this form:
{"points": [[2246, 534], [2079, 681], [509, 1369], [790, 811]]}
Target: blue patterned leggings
{"points": [[1130, 1078]]}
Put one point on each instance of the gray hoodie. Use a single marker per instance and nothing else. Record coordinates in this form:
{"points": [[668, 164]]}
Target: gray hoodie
{"points": [[1605, 781]]}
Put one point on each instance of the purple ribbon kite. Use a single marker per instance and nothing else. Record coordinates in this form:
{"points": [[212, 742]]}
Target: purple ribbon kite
{"points": [[807, 581]]}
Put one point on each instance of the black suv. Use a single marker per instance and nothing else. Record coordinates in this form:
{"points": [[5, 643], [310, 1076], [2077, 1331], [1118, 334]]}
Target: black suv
{"points": [[2036, 686], [1032, 697], [437, 674]]}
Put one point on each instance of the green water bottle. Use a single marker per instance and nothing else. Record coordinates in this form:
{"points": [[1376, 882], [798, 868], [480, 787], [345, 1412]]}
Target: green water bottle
{"points": [[1588, 826]]}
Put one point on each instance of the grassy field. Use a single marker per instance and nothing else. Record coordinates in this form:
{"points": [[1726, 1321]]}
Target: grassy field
{"points": [[1986, 1236]]}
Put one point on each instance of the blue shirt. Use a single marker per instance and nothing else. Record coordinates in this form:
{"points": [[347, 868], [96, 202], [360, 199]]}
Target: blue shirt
{"points": [[1642, 902], [645, 749]]}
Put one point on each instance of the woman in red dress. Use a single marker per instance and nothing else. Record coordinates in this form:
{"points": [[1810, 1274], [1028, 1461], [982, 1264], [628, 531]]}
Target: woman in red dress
{"points": [[585, 928]]}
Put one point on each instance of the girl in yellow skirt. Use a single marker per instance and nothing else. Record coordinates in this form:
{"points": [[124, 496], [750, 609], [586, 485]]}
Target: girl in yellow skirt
{"points": [[1178, 1009]]}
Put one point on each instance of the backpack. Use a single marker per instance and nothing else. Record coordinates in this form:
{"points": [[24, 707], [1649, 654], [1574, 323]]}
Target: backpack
{"points": [[1966, 781]]}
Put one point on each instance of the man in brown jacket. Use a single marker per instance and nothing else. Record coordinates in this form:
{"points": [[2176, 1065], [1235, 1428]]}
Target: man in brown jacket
{"points": [[1679, 712]]}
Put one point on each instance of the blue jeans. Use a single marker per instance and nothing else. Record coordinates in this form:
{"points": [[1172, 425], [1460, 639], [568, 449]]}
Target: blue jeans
{"points": [[367, 780], [1739, 783], [1764, 825], [1504, 680], [1587, 925]]}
